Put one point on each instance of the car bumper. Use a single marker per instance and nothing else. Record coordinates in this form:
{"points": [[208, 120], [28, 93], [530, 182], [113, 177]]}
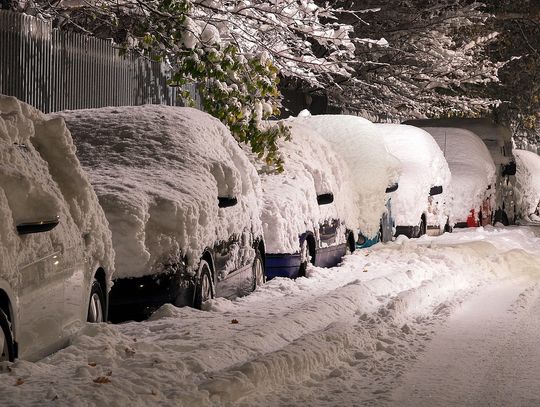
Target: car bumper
{"points": [[282, 265]]}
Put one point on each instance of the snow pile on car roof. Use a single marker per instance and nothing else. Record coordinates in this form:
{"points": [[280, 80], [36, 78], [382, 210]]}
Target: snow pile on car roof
{"points": [[41, 179], [158, 172], [471, 166], [371, 166], [423, 167], [290, 207], [527, 182]]}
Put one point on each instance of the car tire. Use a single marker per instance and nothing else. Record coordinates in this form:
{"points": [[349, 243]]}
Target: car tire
{"points": [[350, 245], [7, 345], [422, 227], [259, 276], [204, 289], [96, 305]]}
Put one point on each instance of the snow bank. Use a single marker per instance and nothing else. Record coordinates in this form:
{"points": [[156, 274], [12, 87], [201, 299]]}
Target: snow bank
{"points": [[40, 179], [290, 204], [371, 166], [527, 182], [471, 166], [423, 166], [158, 172], [364, 322]]}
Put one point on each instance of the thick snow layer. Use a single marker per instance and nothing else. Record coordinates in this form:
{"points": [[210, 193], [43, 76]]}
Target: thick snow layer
{"points": [[350, 332], [158, 172], [423, 166], [40, 179], [290, 206], [372, 168], [471, 166], [527, 182]]}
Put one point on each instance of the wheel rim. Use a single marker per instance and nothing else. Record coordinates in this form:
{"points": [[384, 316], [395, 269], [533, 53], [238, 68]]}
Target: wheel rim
{"points": [[304, 252], [259, 272], [95, 313], [206, 287]]}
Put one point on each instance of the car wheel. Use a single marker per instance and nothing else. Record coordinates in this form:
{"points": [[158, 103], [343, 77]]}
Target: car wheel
{"points": [[204, 290], [259, 278], [96, 305], [7, 347], [423, 227]]}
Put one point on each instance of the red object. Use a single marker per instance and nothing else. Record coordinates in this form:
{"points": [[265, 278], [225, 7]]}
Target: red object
{"points": [[471, 220]]}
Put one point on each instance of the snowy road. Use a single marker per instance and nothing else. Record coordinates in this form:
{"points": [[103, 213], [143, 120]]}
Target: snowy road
{"points": [[488, 354], [451, 320]]}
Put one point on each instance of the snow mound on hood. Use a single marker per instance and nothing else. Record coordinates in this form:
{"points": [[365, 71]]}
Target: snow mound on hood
{"points": [[471, 166], [372, 167], [423, 166], [528, 181], [290, 206], [40, 179], [158, 171]]}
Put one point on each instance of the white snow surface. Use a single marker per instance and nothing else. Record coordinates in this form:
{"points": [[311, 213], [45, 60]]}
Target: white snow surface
{"points": [[527, 181], [41, 179], [423, 166], [371, 167], [158, 172], [340, 336], [311, 168], [471, 167]]}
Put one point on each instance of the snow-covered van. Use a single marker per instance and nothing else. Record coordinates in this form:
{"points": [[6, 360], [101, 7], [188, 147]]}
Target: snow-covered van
{"points": [[473, 176], [374, 172], [56, 255], [308, 213], [182, 201], [528, 185], [419, 204], [498, 140]]}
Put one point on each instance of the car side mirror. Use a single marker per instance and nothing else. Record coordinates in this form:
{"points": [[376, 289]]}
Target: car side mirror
{"points": [[225, 201], [37, 227], [325, 199], [392, 188], [437, 190], [509, 169]]}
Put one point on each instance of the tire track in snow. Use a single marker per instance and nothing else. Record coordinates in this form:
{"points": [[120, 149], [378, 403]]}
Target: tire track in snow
{"points": [[487, 355]]}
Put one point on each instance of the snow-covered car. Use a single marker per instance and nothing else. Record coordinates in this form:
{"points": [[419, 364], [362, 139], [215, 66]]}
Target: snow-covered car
{"points": [[498, 140], [308, 213], [419, 204], [56, 255], [182, 201], [374, 172], [473, 176], [528, 185]]}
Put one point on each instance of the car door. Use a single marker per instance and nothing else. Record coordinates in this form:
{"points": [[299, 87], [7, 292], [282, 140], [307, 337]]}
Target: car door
{"points": [[34, 202]]}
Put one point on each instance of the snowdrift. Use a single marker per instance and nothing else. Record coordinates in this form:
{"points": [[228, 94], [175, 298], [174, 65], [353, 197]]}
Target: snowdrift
{"points": [[158, 172]]}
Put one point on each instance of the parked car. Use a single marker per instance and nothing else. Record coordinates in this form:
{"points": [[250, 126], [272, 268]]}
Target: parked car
{"points": [[56, 253], [473, 176], [528, 185], [374, 171], [182, 201], [498, 140], [309, 214], [419, 205]]}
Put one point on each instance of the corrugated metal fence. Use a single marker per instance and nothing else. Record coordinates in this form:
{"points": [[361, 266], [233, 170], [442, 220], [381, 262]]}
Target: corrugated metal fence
{"points": [[55, 70]]}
